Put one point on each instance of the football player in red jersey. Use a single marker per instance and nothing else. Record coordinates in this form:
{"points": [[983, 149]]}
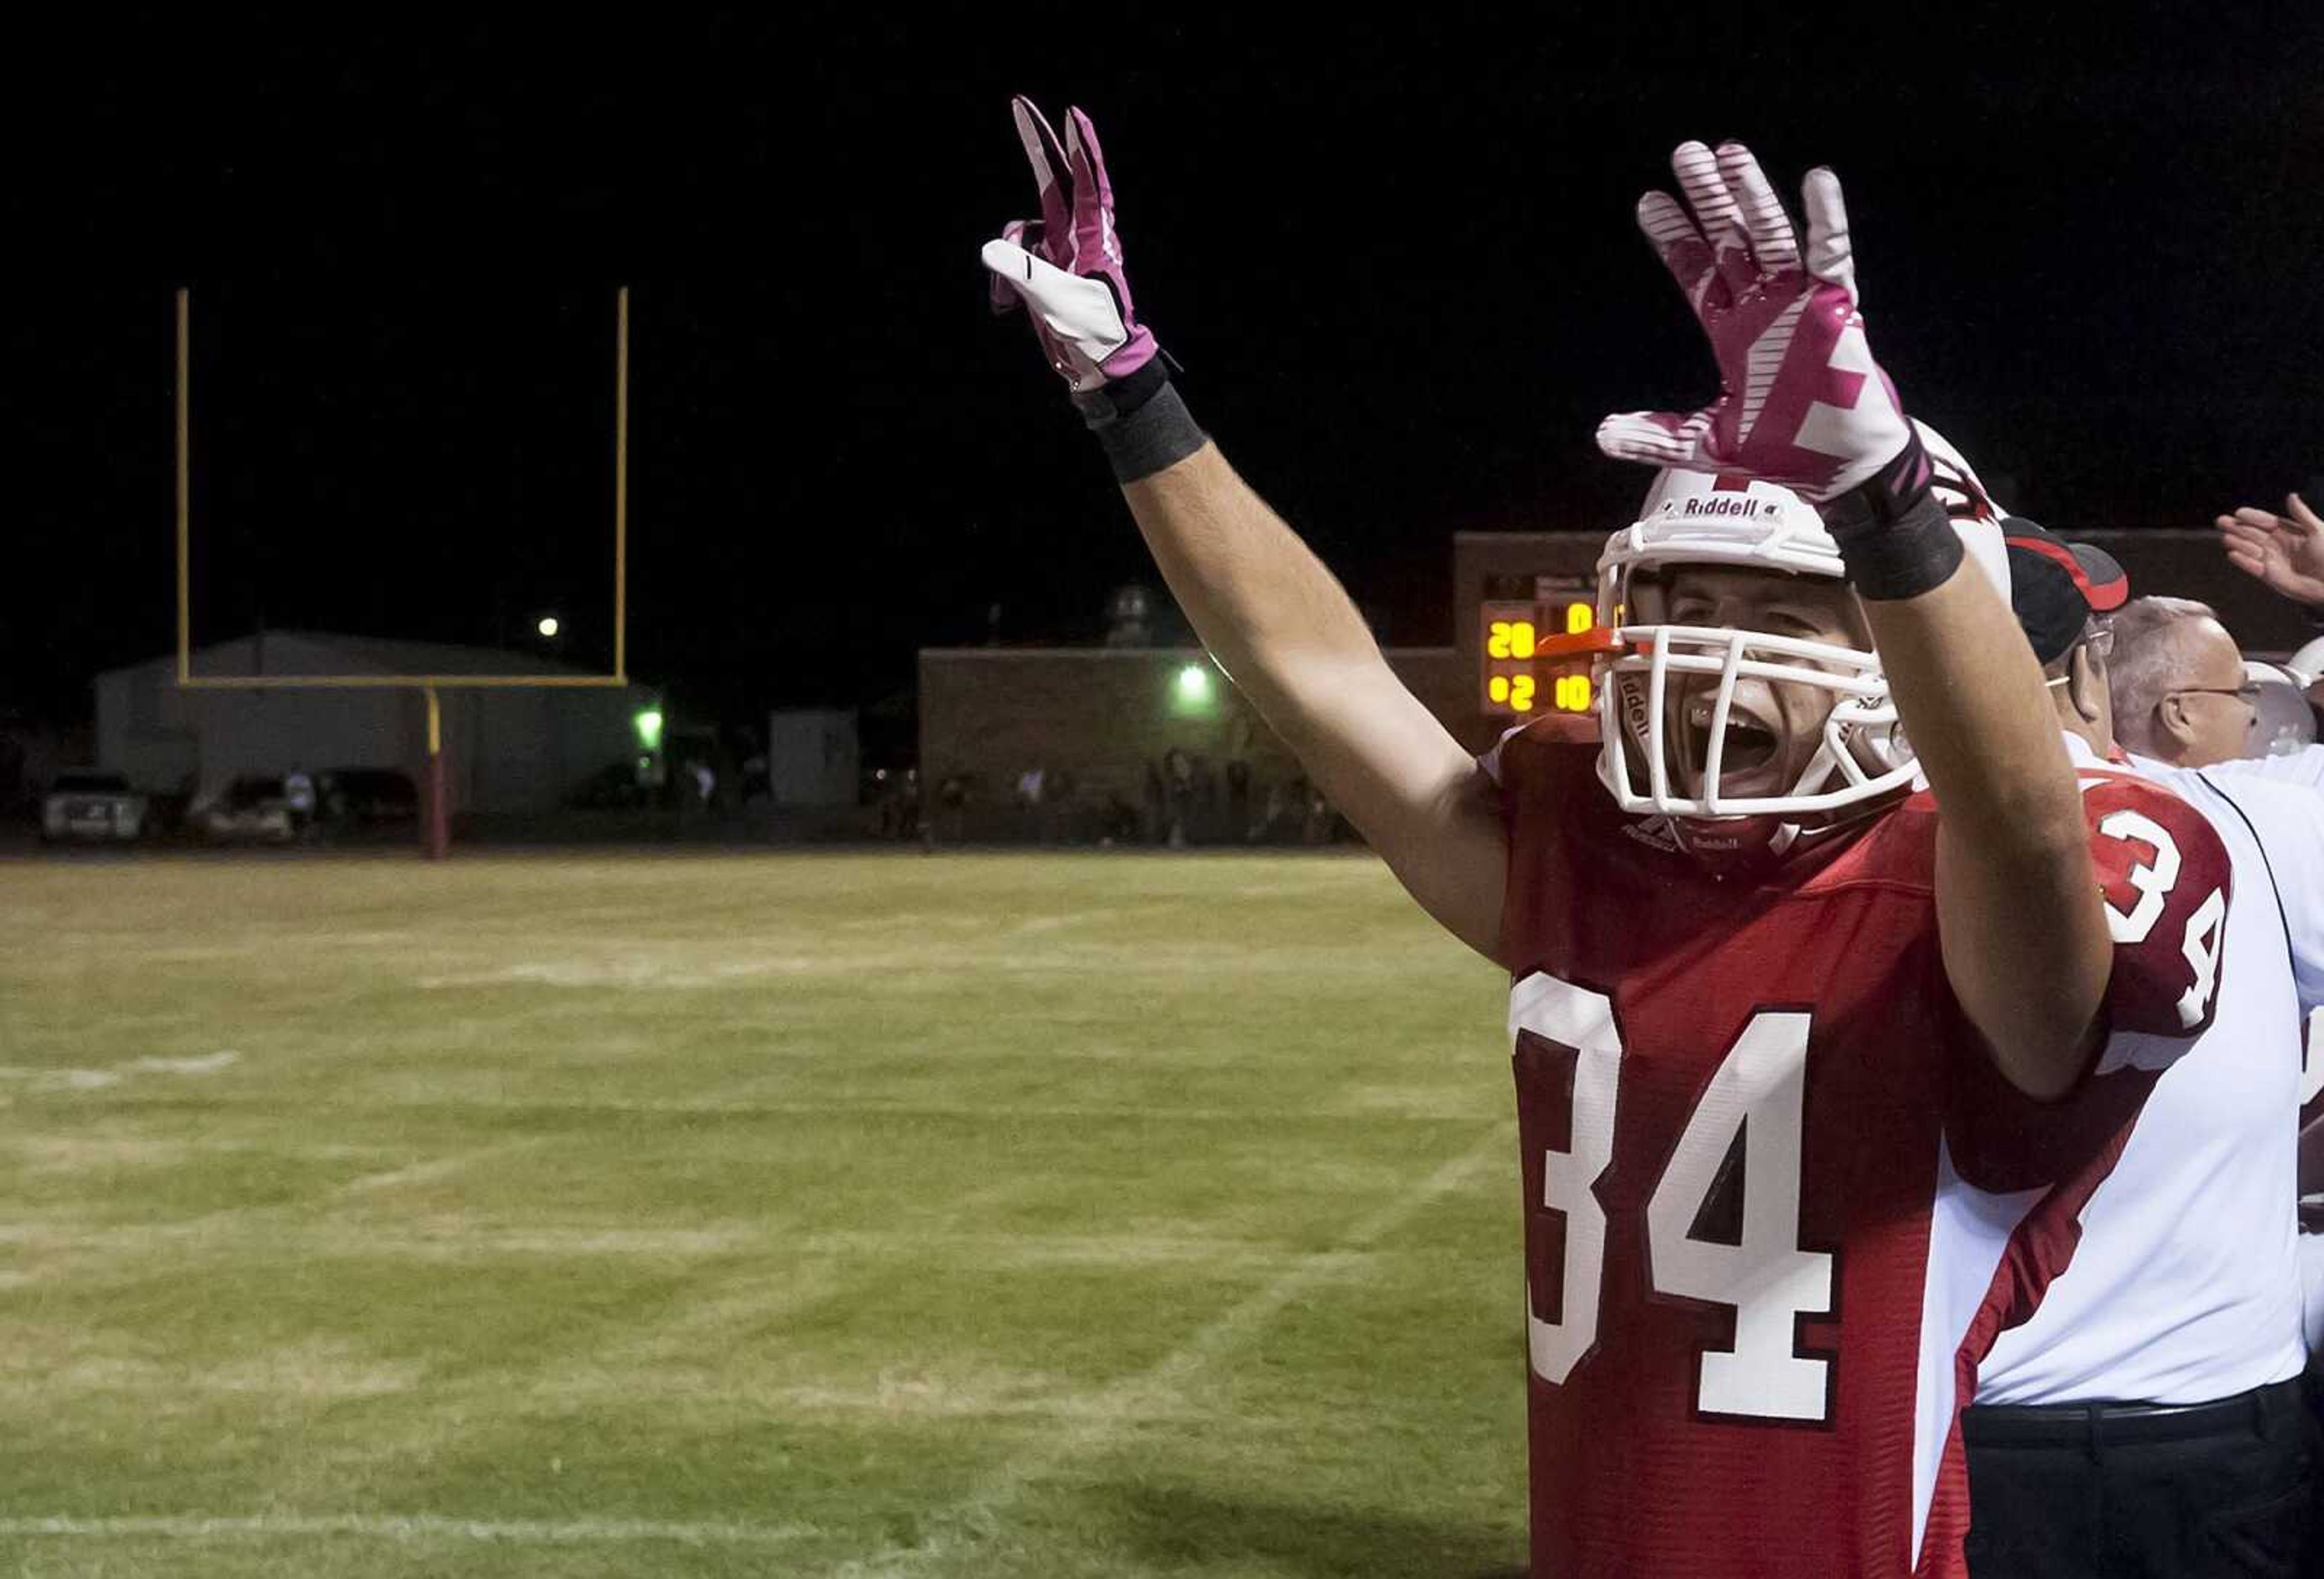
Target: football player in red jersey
{"points": [[1809, 1075]]}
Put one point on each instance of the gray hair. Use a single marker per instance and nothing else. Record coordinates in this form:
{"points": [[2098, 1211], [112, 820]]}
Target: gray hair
{"points": [[2147, 662]]}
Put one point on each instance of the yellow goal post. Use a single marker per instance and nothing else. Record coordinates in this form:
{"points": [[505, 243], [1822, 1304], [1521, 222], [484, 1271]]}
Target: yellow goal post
{"points": [[435, 824]]}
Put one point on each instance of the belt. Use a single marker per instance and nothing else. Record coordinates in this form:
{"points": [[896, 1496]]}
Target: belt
{"points": [[2099, 1423]]}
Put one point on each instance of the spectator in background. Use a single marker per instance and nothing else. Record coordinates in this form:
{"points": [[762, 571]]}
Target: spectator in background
{"points": [[2179, 692], [1057, 812], [951, 821], [1317, 827], [2286, 552], [2153, 1393], [299, 796], [1155, 799], [1177, 795], [1238, 823]]}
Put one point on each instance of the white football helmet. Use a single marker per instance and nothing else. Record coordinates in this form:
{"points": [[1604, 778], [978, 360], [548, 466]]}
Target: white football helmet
{"points": [[1697, 519], [2282, 724], [1700, 519]]}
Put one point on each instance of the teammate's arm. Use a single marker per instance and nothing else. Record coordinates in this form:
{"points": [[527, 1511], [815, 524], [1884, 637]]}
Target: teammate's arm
{"points": [[1275, 619], [1803, 403]]}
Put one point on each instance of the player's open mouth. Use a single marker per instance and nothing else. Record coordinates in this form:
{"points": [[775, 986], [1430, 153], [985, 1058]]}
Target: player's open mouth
{"points": [[1750, 744]]}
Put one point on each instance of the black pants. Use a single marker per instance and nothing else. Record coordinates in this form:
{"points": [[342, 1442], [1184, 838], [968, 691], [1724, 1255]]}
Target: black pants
{"points": [[2224, 1489]]}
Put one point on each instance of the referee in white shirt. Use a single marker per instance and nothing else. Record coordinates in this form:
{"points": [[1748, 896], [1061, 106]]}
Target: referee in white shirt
{"points": [[2148, 1419]]}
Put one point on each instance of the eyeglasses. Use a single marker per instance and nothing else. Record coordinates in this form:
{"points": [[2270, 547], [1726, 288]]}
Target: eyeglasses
{"points": [[2246, 693]]}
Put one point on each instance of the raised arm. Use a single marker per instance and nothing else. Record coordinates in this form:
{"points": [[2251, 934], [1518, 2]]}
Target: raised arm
{"points": [[2286, 552], [1803, 403], [1275, 619]]}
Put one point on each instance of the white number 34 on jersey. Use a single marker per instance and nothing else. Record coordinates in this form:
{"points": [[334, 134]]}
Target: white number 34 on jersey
{"points": [[1759, 1089]]}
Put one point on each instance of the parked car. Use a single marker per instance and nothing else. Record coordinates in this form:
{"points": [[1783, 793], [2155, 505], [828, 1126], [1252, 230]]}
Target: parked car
{"points": [[92, 806], [366, 797], [253, 810]]}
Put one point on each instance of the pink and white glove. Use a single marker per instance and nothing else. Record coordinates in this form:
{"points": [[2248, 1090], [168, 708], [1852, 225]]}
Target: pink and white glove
{"points": [[1800, 400], [1065, 268]]}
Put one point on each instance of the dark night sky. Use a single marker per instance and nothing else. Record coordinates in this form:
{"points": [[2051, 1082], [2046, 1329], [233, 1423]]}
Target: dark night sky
{"points": [[1399, 264]]}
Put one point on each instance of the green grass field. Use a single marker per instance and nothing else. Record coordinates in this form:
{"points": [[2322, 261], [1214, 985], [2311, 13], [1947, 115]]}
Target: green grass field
{"points": [[858, 1215]]}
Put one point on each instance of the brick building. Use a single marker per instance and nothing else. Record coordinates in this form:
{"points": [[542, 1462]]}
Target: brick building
{"points": [[1101, 715]]}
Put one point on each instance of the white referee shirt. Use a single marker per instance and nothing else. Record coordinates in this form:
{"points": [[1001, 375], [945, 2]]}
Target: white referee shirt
{"points": [[2186, 1286], [2304, 766]]}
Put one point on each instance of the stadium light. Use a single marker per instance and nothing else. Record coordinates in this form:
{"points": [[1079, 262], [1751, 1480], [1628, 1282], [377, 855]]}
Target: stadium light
{"points": [[1193, 692], [649, 722], [548, 626]]}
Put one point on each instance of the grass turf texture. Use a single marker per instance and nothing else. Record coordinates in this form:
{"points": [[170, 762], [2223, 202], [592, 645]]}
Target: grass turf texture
{"points": [[858, 1215]]}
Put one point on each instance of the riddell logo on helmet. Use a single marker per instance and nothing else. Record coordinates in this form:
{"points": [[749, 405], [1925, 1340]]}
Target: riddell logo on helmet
{"points": [[1717, 508]]}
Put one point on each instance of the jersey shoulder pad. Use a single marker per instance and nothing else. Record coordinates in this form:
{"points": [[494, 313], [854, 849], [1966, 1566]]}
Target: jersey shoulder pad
{"points": [[2166, 880]]}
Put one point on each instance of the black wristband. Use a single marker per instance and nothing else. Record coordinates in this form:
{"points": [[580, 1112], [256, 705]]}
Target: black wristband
{"points": [[1140, 423], [1123, 396], [1895, 539]]}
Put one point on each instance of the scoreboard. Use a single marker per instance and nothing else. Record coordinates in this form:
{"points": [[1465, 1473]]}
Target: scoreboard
{"points": [[1525, 671]]}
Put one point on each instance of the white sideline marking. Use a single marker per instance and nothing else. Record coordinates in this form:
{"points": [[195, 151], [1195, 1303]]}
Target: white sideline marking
{"points": [[42, 1079], [205, 1066], [628, 973], [440, 1168], [1104, 1413], [1360, 1108], [62, 1079], [413, 1526]]}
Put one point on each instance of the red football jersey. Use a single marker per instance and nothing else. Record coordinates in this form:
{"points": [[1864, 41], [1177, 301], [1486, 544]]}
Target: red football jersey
{"points": [[1777, 1199]]}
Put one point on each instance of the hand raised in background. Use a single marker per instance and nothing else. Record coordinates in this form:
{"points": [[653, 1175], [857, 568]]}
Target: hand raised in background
{"points": [[2286, 552]]}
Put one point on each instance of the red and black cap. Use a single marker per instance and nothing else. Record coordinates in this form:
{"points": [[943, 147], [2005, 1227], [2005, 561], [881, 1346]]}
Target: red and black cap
{"points": [[2056, 586]]}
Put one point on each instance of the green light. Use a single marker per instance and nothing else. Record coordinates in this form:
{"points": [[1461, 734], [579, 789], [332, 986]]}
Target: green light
{"points": [[649, 724], [1194, 685]]}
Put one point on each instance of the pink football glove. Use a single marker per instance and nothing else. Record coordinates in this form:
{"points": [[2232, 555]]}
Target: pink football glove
{"points": [[1065, 268], [1801, 401]]}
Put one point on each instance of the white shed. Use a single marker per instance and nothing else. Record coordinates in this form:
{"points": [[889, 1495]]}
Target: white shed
{"points": [[506, 750]]}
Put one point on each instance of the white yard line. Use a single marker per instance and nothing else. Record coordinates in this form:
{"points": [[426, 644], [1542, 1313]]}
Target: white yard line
{"points": [[411, 1526], [963, 1529], [983, 1114], [439, 1167]]}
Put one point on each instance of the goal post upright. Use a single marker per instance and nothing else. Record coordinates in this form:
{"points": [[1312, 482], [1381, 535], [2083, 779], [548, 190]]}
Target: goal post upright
{"points": [[622, 484], [184, 481], [435, 833], [435, 829]]}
